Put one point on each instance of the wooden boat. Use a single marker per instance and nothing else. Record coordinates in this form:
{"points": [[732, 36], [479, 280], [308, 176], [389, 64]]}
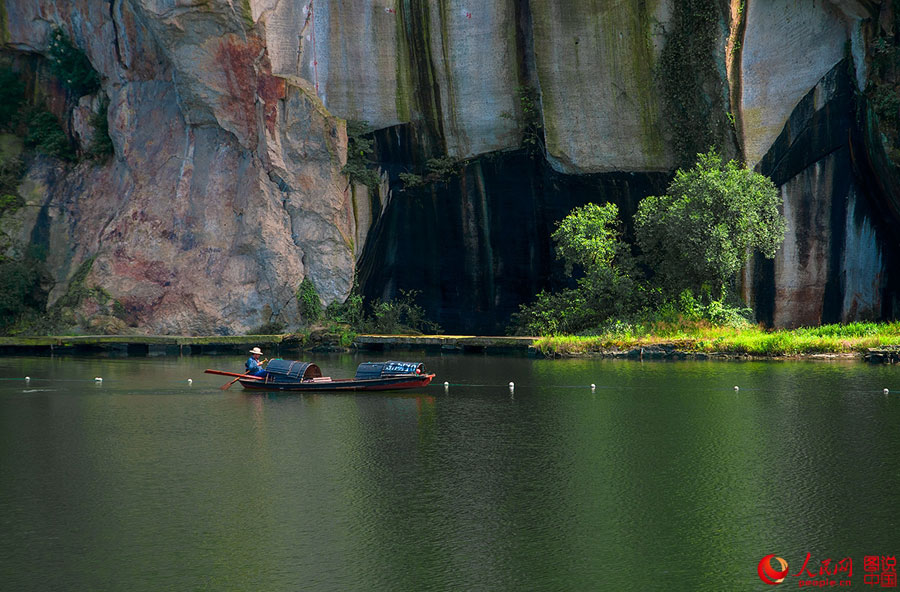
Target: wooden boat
{"points": [[290, 375]]}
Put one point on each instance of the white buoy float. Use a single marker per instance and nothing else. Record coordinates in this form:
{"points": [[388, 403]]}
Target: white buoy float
{"points": [[512, 386], [446, 386], [886, 391], [593, 387], [737, 388], [98, 379], [190, 381], [27, 379]]}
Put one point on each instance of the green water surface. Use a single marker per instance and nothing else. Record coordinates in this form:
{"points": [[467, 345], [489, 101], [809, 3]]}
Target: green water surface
{"points": [[662, 478]]}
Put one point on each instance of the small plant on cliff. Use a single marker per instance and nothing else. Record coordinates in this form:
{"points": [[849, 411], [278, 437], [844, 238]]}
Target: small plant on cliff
{"points": [[533, 128], [360, 147], [411, 180], [308, 302], [350, 312], [46, 136], [437, 170], [71, 65], [532, 119], [440, 168]]}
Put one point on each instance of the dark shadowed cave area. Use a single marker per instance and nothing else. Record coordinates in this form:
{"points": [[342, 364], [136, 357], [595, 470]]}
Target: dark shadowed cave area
{"points": [[477, 246]]}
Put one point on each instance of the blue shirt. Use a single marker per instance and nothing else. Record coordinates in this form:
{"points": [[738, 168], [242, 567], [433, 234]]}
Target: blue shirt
{"points": [[253, 367]]}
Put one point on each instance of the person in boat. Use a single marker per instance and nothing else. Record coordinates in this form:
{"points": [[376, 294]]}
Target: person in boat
{"points": [[253, 365]]}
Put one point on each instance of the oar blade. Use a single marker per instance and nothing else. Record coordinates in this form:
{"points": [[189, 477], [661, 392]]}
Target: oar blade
{"points": [[225, 387]]}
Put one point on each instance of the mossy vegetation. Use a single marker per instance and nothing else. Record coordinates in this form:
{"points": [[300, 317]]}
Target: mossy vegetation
{"points": [[398, 316], [24, 302], [360, 148], [9, 202], [11, 170], [883, 86], [71, 65], [308, 302], [101, 147], [415, 44], [22, 292], [247, 13], [532, 118], [337, 325], [77, 290], [437, 170], [690, 79], [637, 67], [349, 312], [4, 24], [45, 135], [42, 130]]}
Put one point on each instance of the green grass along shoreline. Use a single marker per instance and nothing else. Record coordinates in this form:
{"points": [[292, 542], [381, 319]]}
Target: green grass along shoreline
{"points": [[853, 339]]}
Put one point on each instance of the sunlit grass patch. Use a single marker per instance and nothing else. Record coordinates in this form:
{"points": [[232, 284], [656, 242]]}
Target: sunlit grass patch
{"points": [[752, 340]]}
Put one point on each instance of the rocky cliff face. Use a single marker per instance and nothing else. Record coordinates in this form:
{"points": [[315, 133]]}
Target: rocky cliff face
{"points": [[832, 265], [227, 119], [225, 189]]}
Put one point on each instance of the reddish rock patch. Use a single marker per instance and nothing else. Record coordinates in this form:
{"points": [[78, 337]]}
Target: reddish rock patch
{"points": [[237, 59], [142, 270], [270, 90]]}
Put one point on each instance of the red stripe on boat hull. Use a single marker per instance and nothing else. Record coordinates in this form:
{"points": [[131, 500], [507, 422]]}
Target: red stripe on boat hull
{"points": [[376, 384]]}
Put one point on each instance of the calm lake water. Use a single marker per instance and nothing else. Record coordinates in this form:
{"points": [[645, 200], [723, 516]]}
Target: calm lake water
{"points": [[663, 478]]}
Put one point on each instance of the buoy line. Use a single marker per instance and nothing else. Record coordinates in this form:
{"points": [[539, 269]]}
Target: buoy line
{"points": [[99, 380]]}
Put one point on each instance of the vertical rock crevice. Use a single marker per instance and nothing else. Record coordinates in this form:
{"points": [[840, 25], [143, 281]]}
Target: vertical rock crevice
{"points": [[733, 51], [426, 113], [695, 93]]}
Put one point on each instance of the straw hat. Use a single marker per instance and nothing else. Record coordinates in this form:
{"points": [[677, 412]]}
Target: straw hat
{"points": [[256, 350]]}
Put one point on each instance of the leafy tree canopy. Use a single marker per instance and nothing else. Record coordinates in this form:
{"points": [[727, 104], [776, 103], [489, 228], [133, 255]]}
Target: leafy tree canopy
{"points": [[588, 237], [712, 217]]}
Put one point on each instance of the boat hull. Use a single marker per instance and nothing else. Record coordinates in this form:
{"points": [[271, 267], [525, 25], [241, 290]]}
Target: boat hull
{"points": [[389, 383]]}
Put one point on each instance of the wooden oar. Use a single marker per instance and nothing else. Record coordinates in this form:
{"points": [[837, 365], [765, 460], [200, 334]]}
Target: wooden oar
{"points": [[228, 386], [223, 373], [240, 376]]}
